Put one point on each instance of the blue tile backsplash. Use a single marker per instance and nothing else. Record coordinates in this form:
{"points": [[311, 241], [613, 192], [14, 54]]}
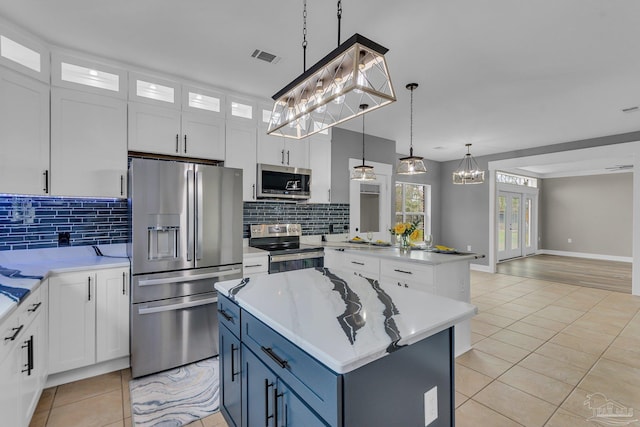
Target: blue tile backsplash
{"points": [[34, 222]]}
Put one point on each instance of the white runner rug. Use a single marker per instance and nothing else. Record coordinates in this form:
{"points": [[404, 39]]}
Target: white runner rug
{"points": [[176, 397]]}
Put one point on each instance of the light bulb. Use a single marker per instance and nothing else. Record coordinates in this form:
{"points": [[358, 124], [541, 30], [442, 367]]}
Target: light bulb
{"points": [[337, 90], [152, 87], [93, 73]]}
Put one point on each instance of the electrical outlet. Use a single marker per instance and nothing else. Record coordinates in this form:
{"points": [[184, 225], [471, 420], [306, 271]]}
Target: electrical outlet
{"points": [[569, 240], [469, 248], [64, 238], [431, 406]]}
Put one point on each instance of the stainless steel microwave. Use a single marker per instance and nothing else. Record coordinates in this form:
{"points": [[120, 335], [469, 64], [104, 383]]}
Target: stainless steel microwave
{"points": [[283, 182]]}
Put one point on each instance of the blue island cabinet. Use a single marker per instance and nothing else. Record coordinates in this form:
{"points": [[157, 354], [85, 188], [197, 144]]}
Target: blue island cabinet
{"points": [[283, 386]]}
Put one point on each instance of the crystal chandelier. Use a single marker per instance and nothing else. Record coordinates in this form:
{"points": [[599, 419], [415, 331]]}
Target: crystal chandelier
{"points": [[411, 165], [468, 171], [331, 91], [363, 172]]}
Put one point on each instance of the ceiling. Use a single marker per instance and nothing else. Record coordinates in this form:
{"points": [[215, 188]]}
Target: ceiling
{"points": [[500, 74]]}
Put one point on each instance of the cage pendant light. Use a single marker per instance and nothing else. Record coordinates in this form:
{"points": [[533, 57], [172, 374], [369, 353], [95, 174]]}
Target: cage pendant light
{"points": [[468, 171], [411, 165], [331, 91], [363, 172]]}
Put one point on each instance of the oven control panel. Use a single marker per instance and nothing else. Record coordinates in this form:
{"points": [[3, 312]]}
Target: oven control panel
{"points": [[275, 230]]}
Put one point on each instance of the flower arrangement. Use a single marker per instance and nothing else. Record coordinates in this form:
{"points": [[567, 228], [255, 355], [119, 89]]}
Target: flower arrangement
{"points": [[406, 231]]}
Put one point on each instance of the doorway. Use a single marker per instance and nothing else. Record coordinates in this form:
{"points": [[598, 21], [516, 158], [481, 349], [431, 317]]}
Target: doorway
{"points": [[516, 222]]}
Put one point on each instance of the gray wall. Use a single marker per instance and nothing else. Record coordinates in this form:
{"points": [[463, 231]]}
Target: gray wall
{"points": [[594, 211], [464, 209]]}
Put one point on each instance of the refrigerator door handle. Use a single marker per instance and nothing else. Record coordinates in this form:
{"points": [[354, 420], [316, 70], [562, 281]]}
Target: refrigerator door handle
{"points": [[179, 306], [182, 279], [190, 214], [199, 215]]}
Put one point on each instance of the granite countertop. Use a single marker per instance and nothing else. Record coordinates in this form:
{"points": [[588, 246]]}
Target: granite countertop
{"points": [[23, 271], [394, 253], [343, 320]]}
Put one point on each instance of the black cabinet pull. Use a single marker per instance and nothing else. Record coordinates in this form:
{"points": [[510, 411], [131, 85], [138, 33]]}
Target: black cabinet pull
{"points": [[185, 144], [281, 362], [122, 185], [124, 283], [403, 271], [89, 287], [15, 333], [46, 181], [287, 157], [177, 143], [225, 315], [267, 385], [357, 263], [254, 191], [34, 307], [276, 396], [253, 265], [233, 363], [282, 156], [29, 346]]}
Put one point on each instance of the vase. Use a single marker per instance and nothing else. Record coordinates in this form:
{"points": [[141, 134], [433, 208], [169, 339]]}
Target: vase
{"points": [[404, 243]]}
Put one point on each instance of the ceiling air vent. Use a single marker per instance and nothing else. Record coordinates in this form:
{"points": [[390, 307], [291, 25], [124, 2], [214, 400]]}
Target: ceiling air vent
{"points": [[265, 56]]}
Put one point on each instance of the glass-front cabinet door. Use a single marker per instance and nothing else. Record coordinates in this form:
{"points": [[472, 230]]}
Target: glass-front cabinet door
{"points": [[510, 225]]}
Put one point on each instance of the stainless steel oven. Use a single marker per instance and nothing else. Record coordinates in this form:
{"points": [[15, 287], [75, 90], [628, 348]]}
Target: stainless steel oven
{"points": [[285, 251]]}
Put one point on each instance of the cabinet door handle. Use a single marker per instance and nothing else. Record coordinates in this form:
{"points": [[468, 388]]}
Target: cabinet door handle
{"points": [[403, 271], [185, 143], [122, 185], [276, 396], [34, 307], [89, 287], [124, 283], [282, 156], [329, 198], [267, 385], [225, 315], [16, 331], [253, 265], [357, 263], [254, 191], [233, 363], [46, 181], [177, 143], [287, 157], [28, 344], [281, 362]]}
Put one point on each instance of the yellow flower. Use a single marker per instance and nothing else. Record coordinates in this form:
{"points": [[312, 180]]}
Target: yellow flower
{"points": [[399, 228], [415, 235]]}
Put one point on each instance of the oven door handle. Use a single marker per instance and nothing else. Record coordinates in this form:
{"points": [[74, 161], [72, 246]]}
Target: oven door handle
{"points": [[296, 256], [180, 306], [182, 279]]}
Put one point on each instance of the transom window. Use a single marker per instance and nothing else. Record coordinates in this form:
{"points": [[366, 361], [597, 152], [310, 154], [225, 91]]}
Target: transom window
{"points": [[413, 203], [509, 178]]}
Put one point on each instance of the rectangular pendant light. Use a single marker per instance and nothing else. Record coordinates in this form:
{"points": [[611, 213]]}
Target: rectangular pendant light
{"points": [[331, 91]]}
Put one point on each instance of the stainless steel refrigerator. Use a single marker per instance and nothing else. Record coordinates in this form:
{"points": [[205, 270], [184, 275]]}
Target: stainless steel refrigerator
{"points": [[186, 222]]}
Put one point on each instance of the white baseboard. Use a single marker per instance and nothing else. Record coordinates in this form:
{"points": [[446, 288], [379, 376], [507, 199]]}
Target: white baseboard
{"points": [[586, 255], [87, 372], [478, 267]]}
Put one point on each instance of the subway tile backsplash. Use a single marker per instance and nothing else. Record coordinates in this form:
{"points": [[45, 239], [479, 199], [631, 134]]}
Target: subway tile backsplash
{"points": [[34, 222]]}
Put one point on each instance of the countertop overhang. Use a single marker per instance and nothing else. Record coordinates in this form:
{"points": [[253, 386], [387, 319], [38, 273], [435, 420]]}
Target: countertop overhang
{"points": [[344, 320]]}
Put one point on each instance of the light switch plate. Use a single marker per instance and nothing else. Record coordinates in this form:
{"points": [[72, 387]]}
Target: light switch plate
{"points": [[430, 406]]}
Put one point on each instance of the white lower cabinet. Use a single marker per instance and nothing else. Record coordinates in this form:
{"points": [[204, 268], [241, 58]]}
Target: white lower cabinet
{"points": [[23, 361], [88, 318], [254, 265]]}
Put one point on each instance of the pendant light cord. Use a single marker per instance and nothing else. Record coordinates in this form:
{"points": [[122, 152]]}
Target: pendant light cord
{"points": [[363, 138], [304, 37], [411, 126], [339, 19]]}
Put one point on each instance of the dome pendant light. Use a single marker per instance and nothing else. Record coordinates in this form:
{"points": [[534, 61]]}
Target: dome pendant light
{"points": [[468, 171], [363, 172], [411, 165]]}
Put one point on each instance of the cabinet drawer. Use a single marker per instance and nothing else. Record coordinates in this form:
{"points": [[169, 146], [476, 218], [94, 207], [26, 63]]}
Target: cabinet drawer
{"points": [[9, 331], [255, 265], [367, 266], [31, 307], [405, 271], [318, 386], [229, 314], [412, 283]]}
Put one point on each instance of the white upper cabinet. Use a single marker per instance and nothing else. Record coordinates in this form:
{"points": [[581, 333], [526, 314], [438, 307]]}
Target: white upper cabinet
{"points": [[88, 144], [241, 153], [175, 120], [278, 150], [24, 134], [320, 165], [23, 53]]}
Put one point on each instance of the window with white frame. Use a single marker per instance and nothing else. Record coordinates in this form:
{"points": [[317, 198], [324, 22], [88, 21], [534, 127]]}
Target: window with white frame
{"points": [[413, 203], [509, 178]]}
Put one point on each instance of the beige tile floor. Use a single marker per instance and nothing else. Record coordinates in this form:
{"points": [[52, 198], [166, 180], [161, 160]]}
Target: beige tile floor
{"points": [[539, 349]]}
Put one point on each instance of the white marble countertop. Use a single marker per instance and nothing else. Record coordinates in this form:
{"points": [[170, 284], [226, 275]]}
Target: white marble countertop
{"points": [[344, 321], [250, 252], [23, 271], [394, 253]]}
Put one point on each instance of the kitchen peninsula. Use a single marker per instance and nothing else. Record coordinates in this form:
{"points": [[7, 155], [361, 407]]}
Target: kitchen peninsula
{"points": [[319, 347]]}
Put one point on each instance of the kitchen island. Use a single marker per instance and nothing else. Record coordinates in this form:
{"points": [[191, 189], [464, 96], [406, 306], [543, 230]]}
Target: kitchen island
{"points": [[328, 347]]}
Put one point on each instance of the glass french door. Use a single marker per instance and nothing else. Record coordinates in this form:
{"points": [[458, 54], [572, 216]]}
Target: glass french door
{"points": [[511, 225]]}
